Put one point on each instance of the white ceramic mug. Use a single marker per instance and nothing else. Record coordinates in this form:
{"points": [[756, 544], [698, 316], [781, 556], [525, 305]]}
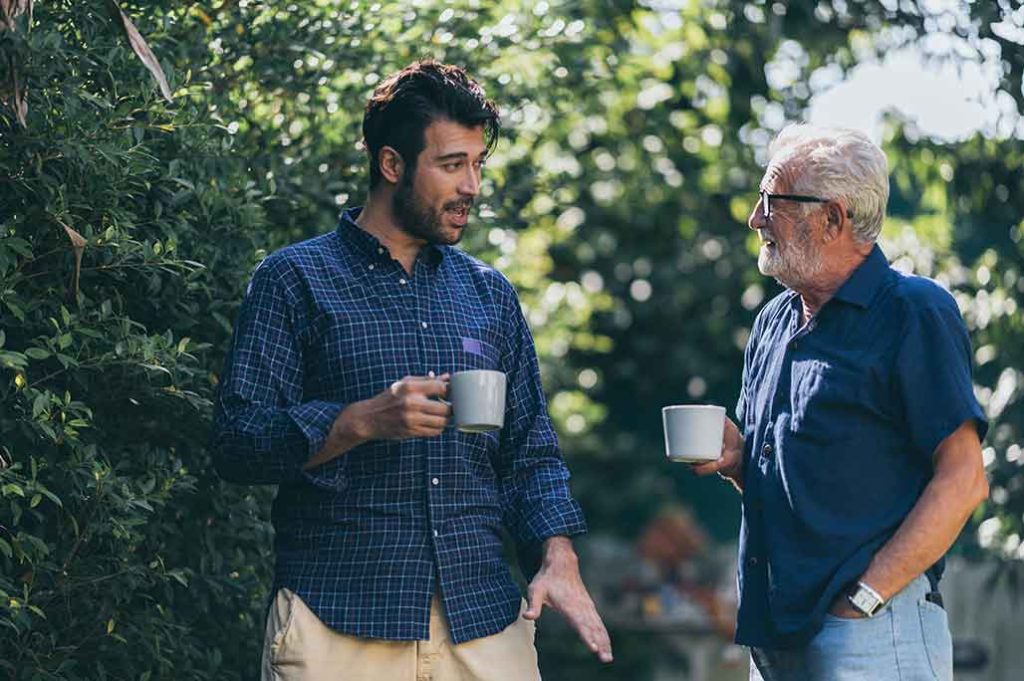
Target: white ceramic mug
{"points": [[693, 432], [478, 400]]}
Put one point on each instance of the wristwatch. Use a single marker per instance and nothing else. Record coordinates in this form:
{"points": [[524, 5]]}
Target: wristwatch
{"points": [[865, 600]]}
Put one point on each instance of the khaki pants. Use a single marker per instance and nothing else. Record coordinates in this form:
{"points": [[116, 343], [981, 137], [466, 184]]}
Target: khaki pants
{"points": [[299, 647]]}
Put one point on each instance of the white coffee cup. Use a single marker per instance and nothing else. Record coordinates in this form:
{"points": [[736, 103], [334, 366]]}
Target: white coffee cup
{"points": [[478, 400], [693, 432]]}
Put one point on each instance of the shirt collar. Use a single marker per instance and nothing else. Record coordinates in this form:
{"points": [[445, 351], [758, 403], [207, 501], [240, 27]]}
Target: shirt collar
{"points": [[367, 244], [860, 288]]}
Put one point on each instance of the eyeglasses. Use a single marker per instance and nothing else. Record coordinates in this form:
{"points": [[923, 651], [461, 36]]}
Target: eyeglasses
{"points": [[767, 198]]}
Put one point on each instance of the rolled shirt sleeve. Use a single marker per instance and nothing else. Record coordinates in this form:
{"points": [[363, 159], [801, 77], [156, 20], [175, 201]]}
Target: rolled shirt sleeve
{"points": [[534, 477], [263, 432], [933, 372]]}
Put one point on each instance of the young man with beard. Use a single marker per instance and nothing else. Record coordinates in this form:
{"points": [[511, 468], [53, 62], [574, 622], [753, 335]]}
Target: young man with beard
{"points": [[858, 449], [389, 552]]}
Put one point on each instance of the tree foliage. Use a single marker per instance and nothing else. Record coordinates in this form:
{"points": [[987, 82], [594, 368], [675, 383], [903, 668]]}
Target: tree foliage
{"points": [[616, 202]]}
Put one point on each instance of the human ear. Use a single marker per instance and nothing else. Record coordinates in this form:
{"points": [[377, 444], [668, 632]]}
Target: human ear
{"points": [[836, 216], [391, 164]]}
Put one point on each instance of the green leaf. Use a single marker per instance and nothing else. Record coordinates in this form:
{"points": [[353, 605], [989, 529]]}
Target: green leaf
{"points": [[6, 549], [18, 245], [11, 489], [40, 404], [13, 360], [224, 322], [37, 353], [51, 496], [66, 360], [15, 310]]}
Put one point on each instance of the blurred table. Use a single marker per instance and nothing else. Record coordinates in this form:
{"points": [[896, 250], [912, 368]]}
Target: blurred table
{"points": [[698, 643]]}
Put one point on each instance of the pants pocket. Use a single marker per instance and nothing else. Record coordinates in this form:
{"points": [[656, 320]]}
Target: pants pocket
{"points": [[282, 615], [938, 644]]}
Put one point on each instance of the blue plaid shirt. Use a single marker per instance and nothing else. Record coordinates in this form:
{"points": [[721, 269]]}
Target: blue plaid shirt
{"points": [[366, 538]]}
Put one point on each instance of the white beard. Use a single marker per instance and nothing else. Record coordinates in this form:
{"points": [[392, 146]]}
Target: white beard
{"points": [[796, 263]]}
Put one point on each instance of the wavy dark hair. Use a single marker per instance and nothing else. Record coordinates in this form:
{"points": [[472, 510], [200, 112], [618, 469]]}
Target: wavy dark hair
{"points": [[406, 103]]}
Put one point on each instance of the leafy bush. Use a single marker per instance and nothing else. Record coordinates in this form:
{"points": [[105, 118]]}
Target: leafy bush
{"points": [[127, 237]]}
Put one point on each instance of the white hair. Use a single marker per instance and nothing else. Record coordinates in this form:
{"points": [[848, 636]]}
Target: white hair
{"points": [[839, 163]]}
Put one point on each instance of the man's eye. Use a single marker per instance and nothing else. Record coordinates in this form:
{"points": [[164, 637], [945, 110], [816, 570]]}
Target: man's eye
{"points": [[481, 164], [452, 167]]}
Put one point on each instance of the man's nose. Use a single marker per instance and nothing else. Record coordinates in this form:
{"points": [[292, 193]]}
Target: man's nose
{"points": [[757, 219], [470, 185]]}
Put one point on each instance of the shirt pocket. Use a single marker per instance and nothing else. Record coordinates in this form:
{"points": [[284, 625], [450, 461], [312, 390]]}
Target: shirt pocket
{"points": [[471, 350], [827, 401]]}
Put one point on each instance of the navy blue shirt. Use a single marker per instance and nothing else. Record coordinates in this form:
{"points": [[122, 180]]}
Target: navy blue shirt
{"points": [[841, 417], [366, 538]]}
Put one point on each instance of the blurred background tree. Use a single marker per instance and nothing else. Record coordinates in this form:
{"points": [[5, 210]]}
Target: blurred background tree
{"points": [[617, 201]]}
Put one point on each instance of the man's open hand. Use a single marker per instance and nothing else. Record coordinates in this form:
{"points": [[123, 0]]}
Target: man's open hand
{"points": [[559, 586]]}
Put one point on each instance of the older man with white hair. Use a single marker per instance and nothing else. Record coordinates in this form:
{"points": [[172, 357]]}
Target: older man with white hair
{"points": [[858, 447]]}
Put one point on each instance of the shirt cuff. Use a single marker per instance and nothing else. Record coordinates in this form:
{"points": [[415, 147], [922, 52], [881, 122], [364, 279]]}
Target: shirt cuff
{"points": [[314, 419], [943, 429], [557, 518]]}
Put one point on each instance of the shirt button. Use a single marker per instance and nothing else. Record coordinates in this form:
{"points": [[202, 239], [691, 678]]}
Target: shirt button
{"points": [[403, 282], [752, 562], [380, 251], [436, 533], [435, 481], [369, 267], [767, 450], [423, 324]]}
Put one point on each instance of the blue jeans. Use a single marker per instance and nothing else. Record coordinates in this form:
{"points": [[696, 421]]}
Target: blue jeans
{"points": [[908, 640]]}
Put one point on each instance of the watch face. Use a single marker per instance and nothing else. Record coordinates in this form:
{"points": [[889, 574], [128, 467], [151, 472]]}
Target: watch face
{"points": [[865, 601]]}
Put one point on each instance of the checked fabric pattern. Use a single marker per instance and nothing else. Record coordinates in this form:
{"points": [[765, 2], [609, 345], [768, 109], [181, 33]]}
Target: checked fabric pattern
{"points": [[365, 539]]}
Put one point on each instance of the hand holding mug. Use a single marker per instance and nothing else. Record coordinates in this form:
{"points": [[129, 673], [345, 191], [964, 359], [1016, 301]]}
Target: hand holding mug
{"points": [[730, 462], [411, 407]]}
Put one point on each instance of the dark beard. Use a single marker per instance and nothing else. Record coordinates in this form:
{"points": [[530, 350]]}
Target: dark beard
{"points": [[415, 218]]}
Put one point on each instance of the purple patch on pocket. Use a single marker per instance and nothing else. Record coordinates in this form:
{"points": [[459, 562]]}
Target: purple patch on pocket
{"points": [[471, 345]]}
